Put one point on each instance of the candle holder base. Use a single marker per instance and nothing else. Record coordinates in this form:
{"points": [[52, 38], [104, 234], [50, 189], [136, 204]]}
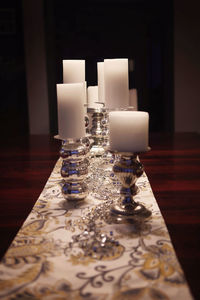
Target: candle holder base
{"points": [[129, 213], [74, 191]]}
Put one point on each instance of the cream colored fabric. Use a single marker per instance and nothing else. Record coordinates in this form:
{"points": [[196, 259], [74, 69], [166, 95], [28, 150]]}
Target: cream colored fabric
{"points": [[40, 264]]}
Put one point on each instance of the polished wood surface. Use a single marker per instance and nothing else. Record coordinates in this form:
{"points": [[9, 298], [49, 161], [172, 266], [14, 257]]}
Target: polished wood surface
{"points": [[173, 169]]}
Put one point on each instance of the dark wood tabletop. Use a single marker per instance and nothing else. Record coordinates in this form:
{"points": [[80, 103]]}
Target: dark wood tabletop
{"points": [[173, 169]]}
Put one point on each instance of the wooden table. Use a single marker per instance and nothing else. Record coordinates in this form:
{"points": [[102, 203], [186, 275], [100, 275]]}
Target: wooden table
{"points": [[173, 169]]}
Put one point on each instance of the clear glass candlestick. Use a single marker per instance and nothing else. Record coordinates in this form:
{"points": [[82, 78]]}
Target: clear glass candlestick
{"points": [[128, 169], [74, 168], [97, 128]]}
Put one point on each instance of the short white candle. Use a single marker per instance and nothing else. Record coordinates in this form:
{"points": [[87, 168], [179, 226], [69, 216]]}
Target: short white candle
{"points": [[129, 131], [93, 97], [101, 83], [73, 71], [133, 98], [71, 121], [116, 83]]}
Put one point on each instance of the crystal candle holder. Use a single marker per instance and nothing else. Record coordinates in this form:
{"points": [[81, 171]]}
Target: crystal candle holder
{"points": [[74, 168], [128, 169], [98, 130]]}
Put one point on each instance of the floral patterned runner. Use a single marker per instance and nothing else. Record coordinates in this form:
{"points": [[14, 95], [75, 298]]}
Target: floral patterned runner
{"points": [[73, 251]]}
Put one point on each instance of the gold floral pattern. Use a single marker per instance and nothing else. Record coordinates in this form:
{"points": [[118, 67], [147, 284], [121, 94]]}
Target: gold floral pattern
{"points": [[81, 259], [161, 263], [139, 294], [61, 290]]}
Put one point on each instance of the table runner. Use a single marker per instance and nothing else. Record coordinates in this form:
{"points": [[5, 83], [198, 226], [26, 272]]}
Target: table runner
{"points": [[54, 255]]}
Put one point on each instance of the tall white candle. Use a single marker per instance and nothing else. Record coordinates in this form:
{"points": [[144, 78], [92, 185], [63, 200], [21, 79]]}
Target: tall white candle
{"points": [[93, 97], [85, 93], [129, 131], [71, 121], [85, 99], [101, 83], [133, 98], [116, 83], [73, 71]]}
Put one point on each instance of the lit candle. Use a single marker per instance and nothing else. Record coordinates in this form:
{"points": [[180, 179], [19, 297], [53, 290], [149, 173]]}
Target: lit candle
{"points": [[71, 122], [129, 131], [73, 71], [93, 97], [133, 99], [101, 84], [116, 83]]}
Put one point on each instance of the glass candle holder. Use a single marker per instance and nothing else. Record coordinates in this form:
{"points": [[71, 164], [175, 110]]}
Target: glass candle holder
{"points": [[98, 129], [128, 169]]}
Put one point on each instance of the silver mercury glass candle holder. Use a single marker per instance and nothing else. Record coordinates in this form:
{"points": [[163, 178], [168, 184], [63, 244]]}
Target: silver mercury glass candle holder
{"points": [[128, 169], [74, 168]]}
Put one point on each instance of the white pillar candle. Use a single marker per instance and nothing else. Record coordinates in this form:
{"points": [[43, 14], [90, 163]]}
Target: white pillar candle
{"points": [[73, 71], [101, 83], [93, 97], [71, 122], [133, 99], [85, 94], [116, 83], [129, 131], [85, 99]]}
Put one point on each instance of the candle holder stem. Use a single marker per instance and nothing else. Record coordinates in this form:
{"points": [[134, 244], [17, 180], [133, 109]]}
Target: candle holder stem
{"points": [[128, 169]]}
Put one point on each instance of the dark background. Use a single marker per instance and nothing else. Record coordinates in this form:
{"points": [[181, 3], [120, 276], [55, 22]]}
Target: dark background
{"points": [[141, 31]]}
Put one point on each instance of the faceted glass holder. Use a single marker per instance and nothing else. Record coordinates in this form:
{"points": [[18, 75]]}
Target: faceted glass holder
{"points": [[98, 130]]}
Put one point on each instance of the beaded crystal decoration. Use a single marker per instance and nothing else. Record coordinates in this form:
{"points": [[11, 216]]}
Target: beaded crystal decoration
{"points": [[92, 241]]}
